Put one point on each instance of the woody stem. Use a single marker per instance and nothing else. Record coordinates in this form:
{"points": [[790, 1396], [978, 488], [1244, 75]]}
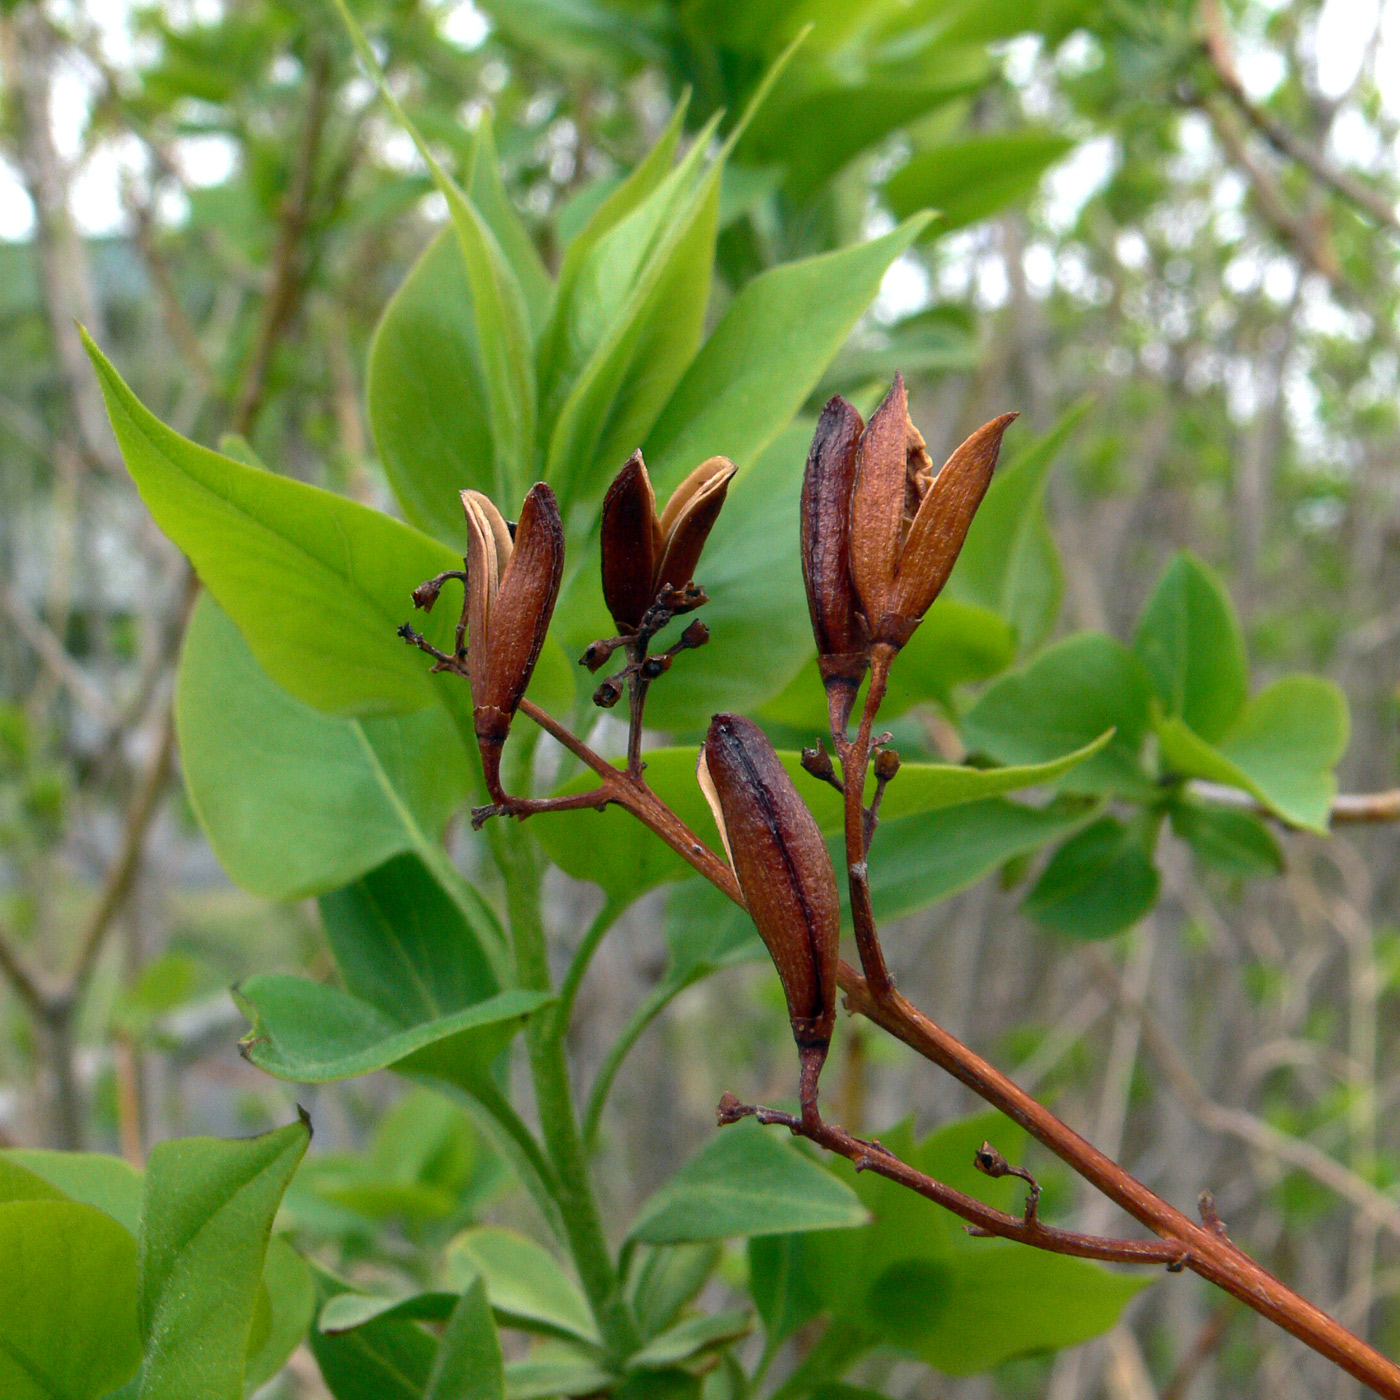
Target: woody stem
{"points": [[855, 759], [637, 699], [1207, 1253], [871, 1156]]}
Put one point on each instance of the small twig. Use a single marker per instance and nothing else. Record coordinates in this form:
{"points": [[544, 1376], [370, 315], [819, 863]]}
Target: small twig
{"points": [[1207, 1340], [983, 1220], [1216, 45], [21, 979], [1348, 808]]}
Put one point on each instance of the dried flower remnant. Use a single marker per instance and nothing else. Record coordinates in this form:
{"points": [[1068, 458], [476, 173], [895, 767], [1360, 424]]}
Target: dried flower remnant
{"points": [[643, 552], [907, 525], [843, 644], [786, 876], [512, 586]]}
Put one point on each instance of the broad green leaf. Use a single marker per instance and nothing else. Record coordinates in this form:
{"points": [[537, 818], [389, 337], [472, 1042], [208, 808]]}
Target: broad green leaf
{"points": [[18, 1183], [840, 120], [490, 196], [691, 1338], [206, 1220], [916, 1280], [650, 286], [526, 1285], [347, 1311], [293, 801], [68, 1323], [937, 340], [1009, 561], [401, 945], [957, 643], [766, 355], [1190, 644], [386, 1359], [1235, 843], [317, 584], [1062, 700], [1100, 882], [292, 1307], [975, 177], [427, 408], [759, 630], [309, 1033], [558, 1368], [615, 850], [111, 1184], [468, 1364], [745, 1181], [1282, 751], [566, 340], [917, 861], [504, 344], [665, 1278]]}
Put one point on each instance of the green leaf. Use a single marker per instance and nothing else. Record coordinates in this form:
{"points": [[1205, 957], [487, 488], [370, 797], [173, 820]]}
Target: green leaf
{"points": [[938, 340], [111, 1184], [310, 1033], [292, 1305], [690, 1338], [647, 285], [1235, 843], [759, 631], [347, 1311], [68, 1324], [206, 1219], [1100, 882], [385, 1359], [766, 355], [745, 1181], [427, 407], [1190, 644], [526, 1285], [920, 860], [317, 584], [1062, 700], [558, 1368], [468, 1365], [916, 1280], [975, 177], [504, 345], [296, 802], [666, 1278], [401, 945], [490, 196], [1009, 561], [1282, 751]]}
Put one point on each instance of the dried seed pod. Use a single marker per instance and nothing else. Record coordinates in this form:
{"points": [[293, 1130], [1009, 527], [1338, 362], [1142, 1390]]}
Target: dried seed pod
{"points": [[782, 866], [907, 525], [642, 551], [843, 647], [512, 586]]}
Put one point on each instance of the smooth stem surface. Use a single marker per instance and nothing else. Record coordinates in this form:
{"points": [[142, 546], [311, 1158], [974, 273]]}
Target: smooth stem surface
{"points": [[554, 1102], [855, 759]]}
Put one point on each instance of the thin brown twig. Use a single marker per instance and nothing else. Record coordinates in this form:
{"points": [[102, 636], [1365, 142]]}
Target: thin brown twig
{"points": [[983, 1219], [1286, 141]]}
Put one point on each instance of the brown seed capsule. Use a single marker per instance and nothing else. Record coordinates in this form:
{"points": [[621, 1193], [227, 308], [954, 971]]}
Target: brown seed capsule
{"points": [[783, 868], [642, 551], [908, 526], [843, 647], [512, 586]]}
